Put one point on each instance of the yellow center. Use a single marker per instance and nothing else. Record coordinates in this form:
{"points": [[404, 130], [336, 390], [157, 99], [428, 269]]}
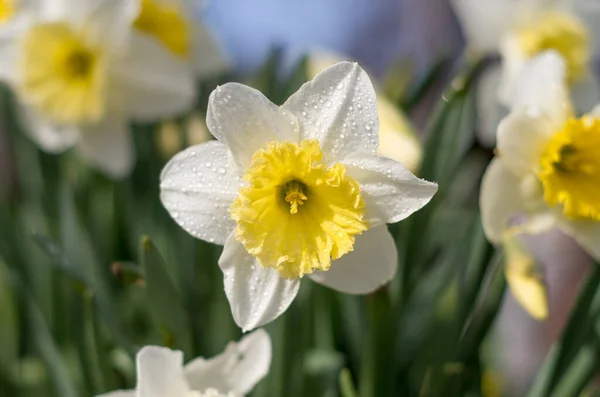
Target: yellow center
{"points": [[570, 169], [7, 9], [167, 24], [62, 76], [296, 214], [563, 33]]}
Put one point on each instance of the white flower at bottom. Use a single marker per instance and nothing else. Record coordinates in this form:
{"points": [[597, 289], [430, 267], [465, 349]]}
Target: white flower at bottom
{"points": [[233, 373], [294, 190], [547, 165]]}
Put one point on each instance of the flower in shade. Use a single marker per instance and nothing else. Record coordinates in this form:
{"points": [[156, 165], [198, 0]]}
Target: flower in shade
{"points": [[520, 31], [81, 73], [547, 165], [292, 191], [397, 137], [233, 373]]}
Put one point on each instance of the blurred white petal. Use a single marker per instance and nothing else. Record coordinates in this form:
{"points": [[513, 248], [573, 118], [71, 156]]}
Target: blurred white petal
{"points": [[257, 295], [239, 368], [150, 83], [500, 200], [522, 137], [339, 109], [245, 120], [586, 233], [197, 187], [50, 137], [391, 192], [208, 57], [369, 266], [483, 22], [108, 146], [160, 373]]}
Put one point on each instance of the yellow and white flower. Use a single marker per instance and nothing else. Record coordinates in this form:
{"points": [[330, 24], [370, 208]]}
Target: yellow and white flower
{"points": [[294, 190], [547, 165], [82, 73], [519, 31], [233, 373], [173, 23]]}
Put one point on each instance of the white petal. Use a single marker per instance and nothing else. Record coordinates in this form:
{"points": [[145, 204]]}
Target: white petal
{"points": [[238, 369], [339, 108], [245, 120], [160, 373], [589, 12], [108, 146], [522, 137], [369, 266], [391, 192], [208, 57], [483, 22], [586, 93], [52, 138], [119, 393], [197, 187], [150, 83], [542, 87], [500, 200], [587, 234], [489, 109], [257, 295], [10, 40]]}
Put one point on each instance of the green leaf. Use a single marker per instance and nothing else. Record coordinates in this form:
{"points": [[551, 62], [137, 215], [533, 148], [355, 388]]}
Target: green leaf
{"points": [[164, 299], [347, 388]]}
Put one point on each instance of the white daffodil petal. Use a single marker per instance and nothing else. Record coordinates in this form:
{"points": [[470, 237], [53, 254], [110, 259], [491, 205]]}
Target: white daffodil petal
{"points": [[586, 233], [160, 373], [542, 89], [500, 200], [245, 120], [586, 93], [10, 45], [339, 109], [588, 11], [239, 368], [150, 83], [391, 192], [257, 295], [483, 22], [369, 266], [108, 146], [119, 393], [522, 137], [50, 137], [208, 58], [489, 109], [197, 187]]}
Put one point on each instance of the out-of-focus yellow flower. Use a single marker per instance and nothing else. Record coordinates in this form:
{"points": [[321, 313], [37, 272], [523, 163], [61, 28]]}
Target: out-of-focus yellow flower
{"points": [[294, 190], [491, 384], [522, 30], [397, 137], [547, 167], [82, 73], [524, 278], [233, 373], [7, 9], [172, 24]]}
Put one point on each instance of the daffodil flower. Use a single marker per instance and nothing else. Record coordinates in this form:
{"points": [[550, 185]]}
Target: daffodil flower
{"points": [[233, 373], [82, 72], [173, 24], [521, 30], [397, 137], [292, 191], [547, 165]]}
